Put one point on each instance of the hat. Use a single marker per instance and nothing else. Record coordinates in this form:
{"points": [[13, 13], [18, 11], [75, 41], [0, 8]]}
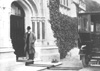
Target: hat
{"points": [[28, 27]]}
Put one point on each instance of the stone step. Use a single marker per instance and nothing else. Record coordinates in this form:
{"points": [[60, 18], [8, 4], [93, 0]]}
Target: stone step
{"points": [[45, 64], [20, 66], [23, 59]]}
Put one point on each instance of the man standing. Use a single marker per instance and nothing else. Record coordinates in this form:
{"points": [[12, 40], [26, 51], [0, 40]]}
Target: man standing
{"points": [[29, 44]]}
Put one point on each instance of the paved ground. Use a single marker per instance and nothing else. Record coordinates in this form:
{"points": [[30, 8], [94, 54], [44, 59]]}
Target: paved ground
{"points": [[37, 66], [21, 67], [70, 63]]}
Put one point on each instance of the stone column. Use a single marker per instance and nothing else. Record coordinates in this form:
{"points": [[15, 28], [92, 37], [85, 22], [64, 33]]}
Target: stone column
{"points": [[49, 50], [7, 57]]}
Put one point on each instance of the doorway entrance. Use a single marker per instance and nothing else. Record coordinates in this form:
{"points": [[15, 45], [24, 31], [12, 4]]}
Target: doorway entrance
{"points": [[17, 29]]}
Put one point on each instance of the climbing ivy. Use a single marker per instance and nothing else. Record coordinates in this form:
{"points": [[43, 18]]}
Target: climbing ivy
{"points": [[64, 28]]}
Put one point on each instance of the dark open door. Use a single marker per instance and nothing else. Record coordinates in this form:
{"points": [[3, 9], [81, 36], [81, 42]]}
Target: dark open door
{"points": [[17, 29], [17, 34]]}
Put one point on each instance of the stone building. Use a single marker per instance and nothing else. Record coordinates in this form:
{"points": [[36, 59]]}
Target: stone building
{"points": [[72, 7], [15, 16]]}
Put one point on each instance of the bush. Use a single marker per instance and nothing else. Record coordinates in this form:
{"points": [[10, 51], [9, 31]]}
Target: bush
{"points": [[64, 28]]}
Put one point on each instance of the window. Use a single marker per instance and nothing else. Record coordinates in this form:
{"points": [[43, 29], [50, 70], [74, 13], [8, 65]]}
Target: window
{"points": [[60, 1], [16, 9], [64, 2], [67, 2], [97, 27], [92, 27], [38, 30], [43, 30], [33, 27]]}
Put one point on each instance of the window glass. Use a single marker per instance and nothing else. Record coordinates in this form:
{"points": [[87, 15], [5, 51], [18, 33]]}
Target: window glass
{"points": [[38, 30], [84, 24], [43, 30], [67, 2], [33, 27], [97, 27]]}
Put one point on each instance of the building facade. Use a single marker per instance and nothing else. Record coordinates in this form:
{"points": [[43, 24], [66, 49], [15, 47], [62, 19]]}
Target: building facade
{"points": [[72, 7], [15, 16]]}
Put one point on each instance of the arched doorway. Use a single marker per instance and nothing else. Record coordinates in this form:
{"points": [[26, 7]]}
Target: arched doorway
{"points": [[17, 29]]}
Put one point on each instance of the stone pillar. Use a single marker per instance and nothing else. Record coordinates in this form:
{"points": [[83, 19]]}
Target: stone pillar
{"points": [[49, 50], [37, 54], [7, 57]]}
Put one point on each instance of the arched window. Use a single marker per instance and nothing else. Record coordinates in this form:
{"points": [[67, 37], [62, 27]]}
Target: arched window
{"points": [[17, 10]]}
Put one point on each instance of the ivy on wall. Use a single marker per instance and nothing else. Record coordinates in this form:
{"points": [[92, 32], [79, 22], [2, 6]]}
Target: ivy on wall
{"points": [[64, 28]]}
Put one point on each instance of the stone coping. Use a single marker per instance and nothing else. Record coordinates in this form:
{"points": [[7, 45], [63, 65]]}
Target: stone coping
{"points": [[6, 50]]}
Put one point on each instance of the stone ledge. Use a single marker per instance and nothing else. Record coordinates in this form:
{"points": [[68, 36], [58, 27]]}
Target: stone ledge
{"points": [[6, 50], [45, 64], [47, 47], [49, 63]]}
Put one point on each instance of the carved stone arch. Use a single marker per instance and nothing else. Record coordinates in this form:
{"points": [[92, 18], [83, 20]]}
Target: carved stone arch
{"points": [[17, 28], [29, 10], [29, 5], [17, 10], [21, 13], [34, 7]]}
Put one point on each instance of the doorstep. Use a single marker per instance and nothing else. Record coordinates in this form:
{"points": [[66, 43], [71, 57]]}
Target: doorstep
{"points": [[37, 66], [45, 64]]}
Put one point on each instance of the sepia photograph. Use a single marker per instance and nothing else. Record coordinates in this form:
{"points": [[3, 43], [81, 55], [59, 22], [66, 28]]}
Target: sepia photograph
{"points": [[49, 35]]}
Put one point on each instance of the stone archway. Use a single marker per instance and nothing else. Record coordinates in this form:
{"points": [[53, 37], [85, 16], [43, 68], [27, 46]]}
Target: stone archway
{"points": [[17, 29], [21, 15], [7, 58]]}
